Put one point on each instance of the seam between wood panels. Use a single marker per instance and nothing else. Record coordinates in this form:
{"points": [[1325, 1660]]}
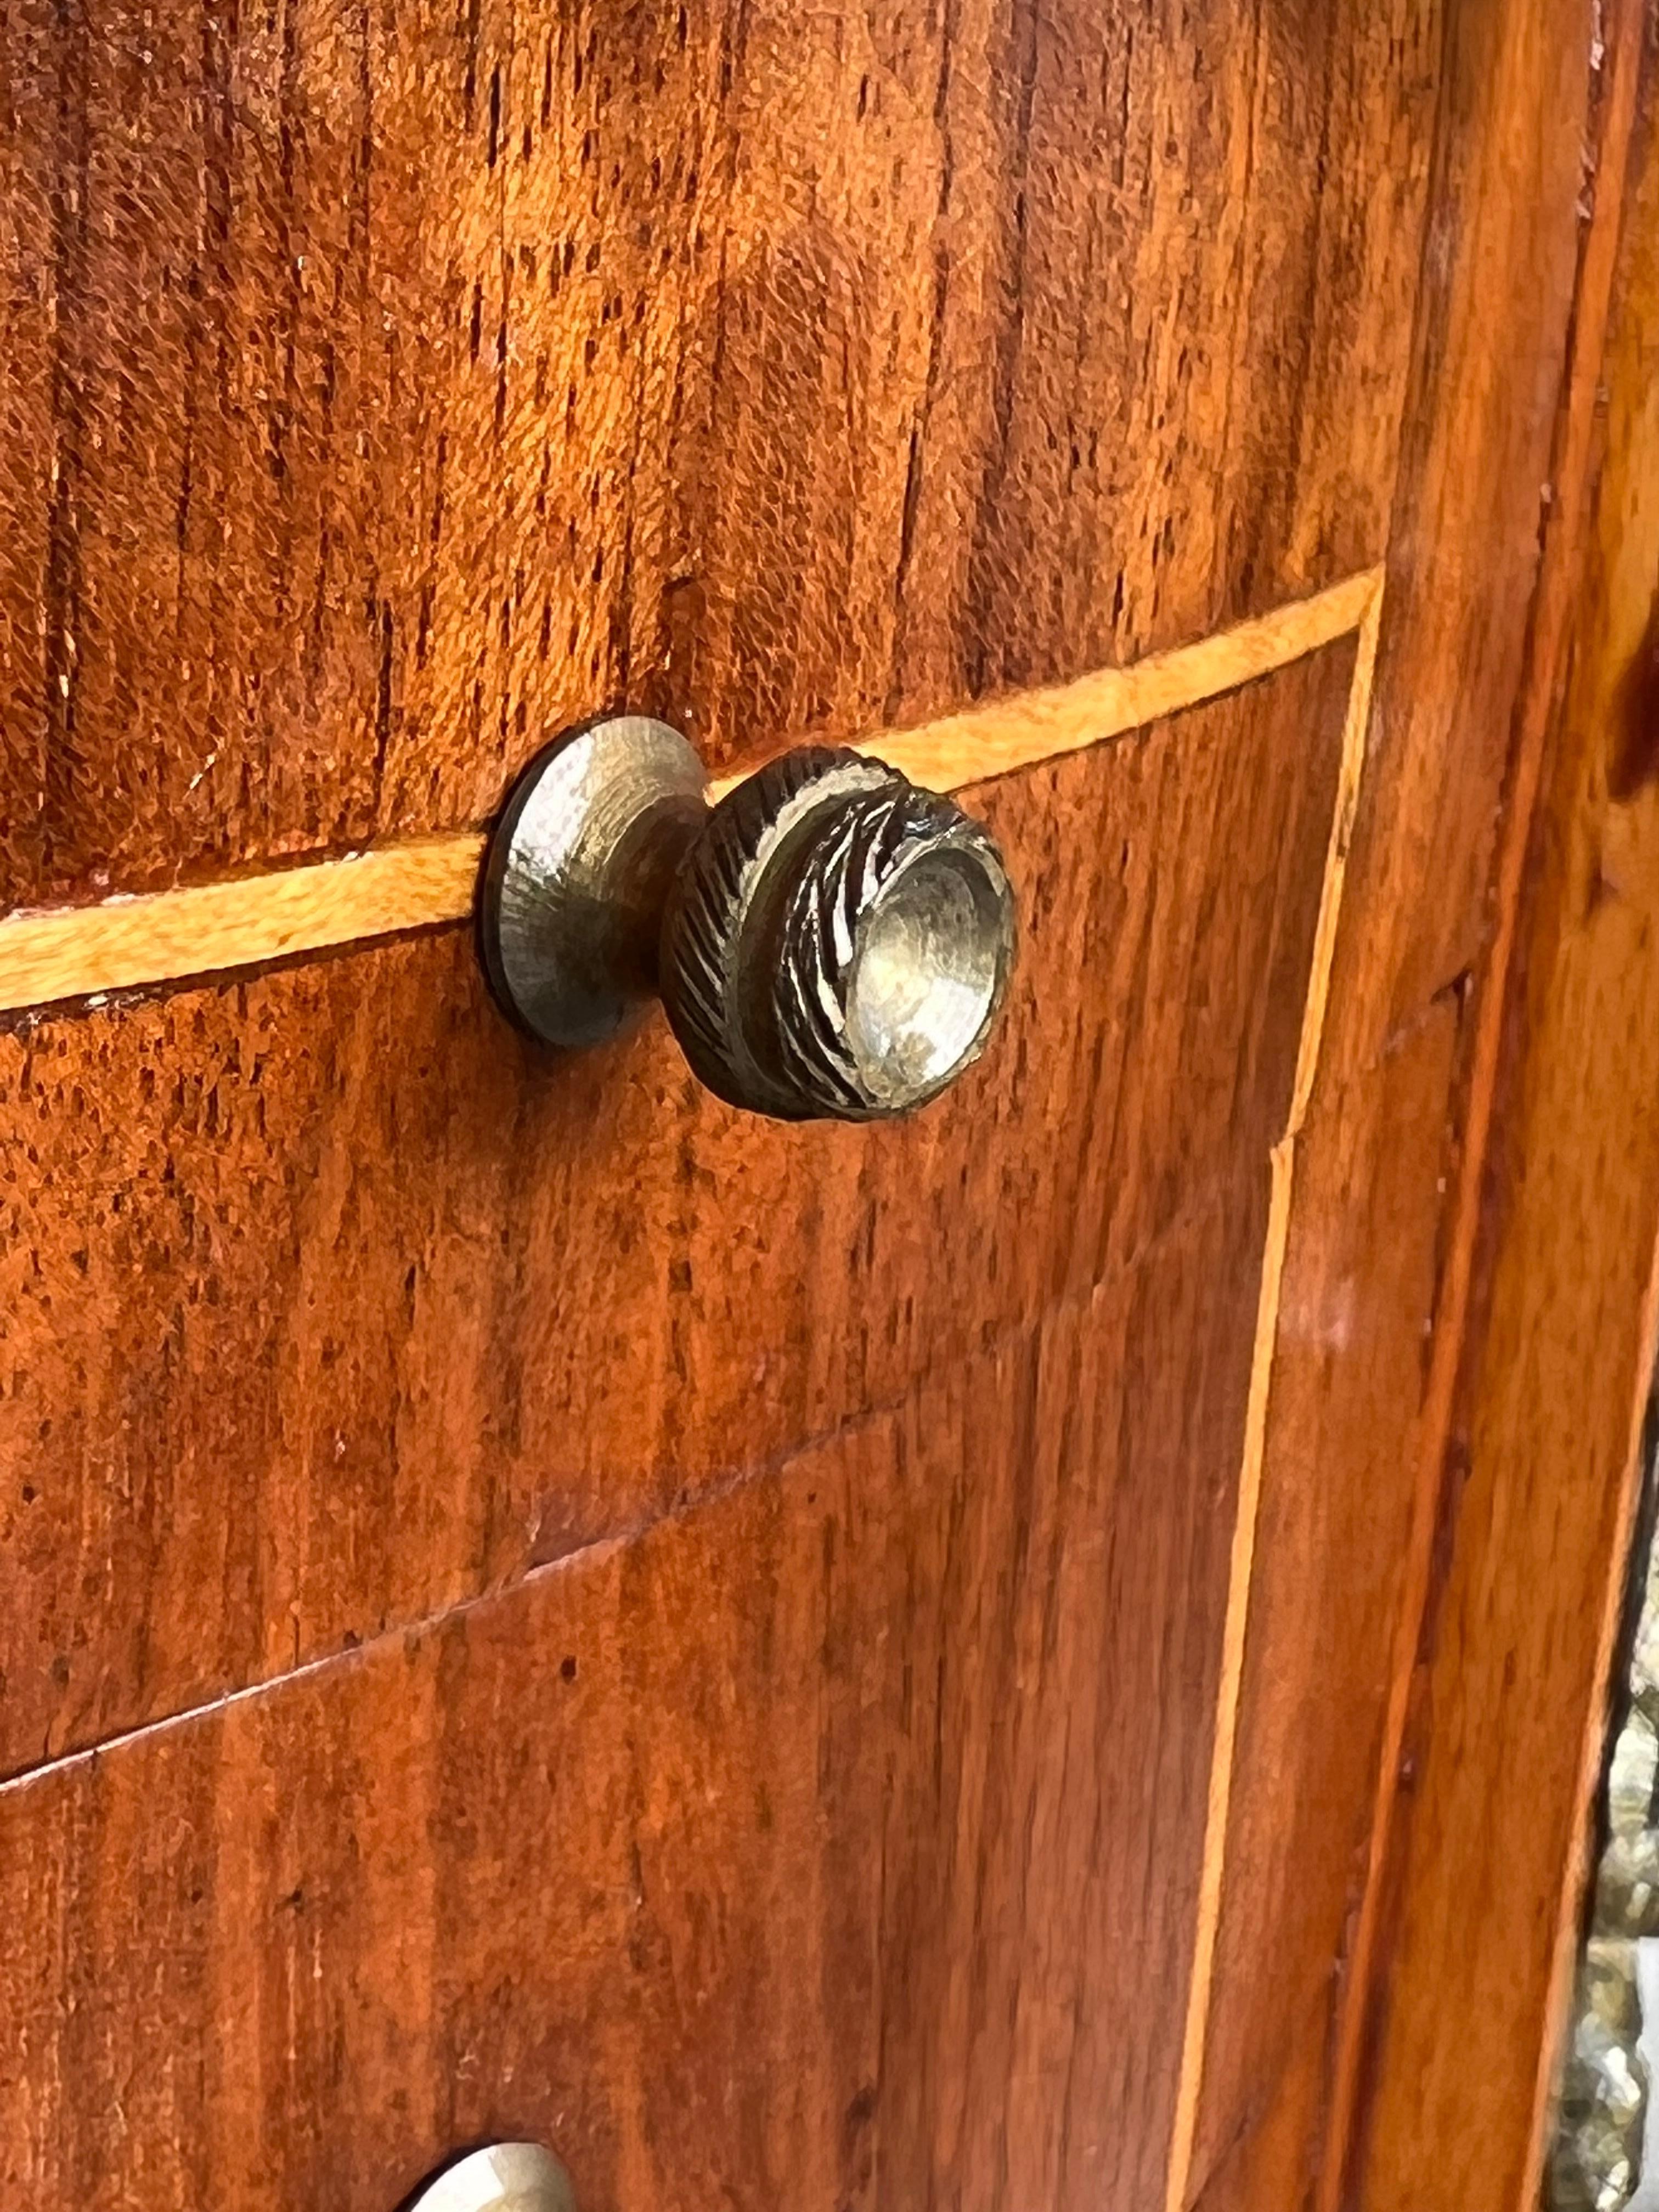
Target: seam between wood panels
{"points": [[1340, 2178], [50, 955], [1000, 1343], [1241, 1569]]}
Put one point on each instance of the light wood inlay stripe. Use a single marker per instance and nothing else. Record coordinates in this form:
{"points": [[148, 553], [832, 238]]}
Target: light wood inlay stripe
{"points": [[1180, 2193], [71, 952], [1010, 734], [124, 944]]}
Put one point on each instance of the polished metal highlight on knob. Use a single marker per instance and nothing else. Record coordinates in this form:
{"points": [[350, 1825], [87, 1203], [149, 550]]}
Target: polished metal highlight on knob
{"points": [[514, 2176], [830, 942]]}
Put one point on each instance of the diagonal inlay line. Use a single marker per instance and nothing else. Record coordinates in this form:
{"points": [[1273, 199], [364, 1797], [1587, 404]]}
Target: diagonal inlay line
{"points": [[1184, 2188], [53, 954]]}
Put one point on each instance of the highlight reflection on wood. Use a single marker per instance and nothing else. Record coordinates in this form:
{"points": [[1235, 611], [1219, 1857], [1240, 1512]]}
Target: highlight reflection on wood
{"points": [[123, 943]]}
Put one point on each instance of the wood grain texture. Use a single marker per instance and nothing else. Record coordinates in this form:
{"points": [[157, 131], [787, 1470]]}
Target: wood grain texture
{"points": [[380, 392], [1518, 108], [1355, 1308], [1013, 733], [381, 389], [325, 1294], [66, 953], [1519, 102], [831, 1840], [1264, 1360], [1530, 1512]]}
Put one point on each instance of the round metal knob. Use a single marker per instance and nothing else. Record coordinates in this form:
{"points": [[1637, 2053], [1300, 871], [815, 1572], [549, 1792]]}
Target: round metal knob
{"points": [[836, 942], [515, 2177], [830, 942]]}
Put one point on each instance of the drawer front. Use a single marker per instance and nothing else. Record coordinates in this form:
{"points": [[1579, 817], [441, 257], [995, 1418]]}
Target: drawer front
{"points": [[717, 1652], [383, 390], [335, 1299], [860, 1665], [836, 1839]]}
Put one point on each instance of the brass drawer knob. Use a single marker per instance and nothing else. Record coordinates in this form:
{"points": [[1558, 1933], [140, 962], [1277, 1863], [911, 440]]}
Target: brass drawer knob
{"points": [[515, 2177], [830, 942]]}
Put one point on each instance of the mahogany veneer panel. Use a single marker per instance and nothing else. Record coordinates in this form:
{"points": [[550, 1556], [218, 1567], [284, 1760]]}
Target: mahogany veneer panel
{"points": [[1332, 1539], [833, 1841], [380, 387], [1079, 340], [1508, 379], [1530, 1506], [325, 1302]]}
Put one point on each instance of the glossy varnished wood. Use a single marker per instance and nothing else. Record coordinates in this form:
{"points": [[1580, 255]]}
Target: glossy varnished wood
{"points": [[382, 389], [801, 1575], [830, 1840], [1355, 1311], [327, 1295], [1502, 1698], [54, 953], [1377, 1268], [1286, 1206]]}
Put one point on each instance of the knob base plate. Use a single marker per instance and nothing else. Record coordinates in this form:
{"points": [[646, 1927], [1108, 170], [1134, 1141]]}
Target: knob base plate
{"points": [[577, 873]]}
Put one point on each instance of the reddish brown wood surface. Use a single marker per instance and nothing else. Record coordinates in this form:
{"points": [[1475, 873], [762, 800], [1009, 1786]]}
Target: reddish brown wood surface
{"points": [[377, 391], [1372, 1309], [356, 445], [1354, 1314], [381, 388], [1531, 1503], [832, 1840], [54, 954], [326, 1295]]}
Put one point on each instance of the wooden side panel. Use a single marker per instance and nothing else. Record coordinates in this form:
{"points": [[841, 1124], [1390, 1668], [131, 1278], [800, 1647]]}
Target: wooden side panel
{"points": [[383, 387], [1503, 1734], [328, 1304], [1332, 1542], [1521, 102], [835, 1841], [1378, 1251]]}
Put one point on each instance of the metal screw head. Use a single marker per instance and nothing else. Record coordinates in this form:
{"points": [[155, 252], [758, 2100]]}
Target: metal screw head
{"points": [[514, 2176]]}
